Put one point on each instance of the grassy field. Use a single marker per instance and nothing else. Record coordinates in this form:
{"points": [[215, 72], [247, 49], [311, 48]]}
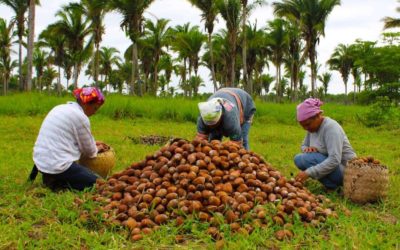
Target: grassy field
{"points": [[32, 217]]}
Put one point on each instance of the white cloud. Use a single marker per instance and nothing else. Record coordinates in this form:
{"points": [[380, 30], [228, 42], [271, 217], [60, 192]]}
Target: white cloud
{"points": [[351, 20]]}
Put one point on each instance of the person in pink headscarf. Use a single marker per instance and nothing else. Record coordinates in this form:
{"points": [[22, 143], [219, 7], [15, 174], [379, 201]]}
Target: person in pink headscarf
{"points": [[325, 149], [64, 137]]}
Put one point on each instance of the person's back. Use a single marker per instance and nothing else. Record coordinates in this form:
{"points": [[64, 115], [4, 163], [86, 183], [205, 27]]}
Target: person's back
{"points": [[229, 113], [57, 145]]}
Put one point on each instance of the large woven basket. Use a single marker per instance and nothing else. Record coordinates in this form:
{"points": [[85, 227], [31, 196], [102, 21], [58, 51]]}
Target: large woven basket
{"points": [[102, 164], [365, 180]]}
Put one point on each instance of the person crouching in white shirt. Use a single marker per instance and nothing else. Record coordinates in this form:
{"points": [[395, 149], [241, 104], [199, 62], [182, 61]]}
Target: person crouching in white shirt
{"points": [[64, 137]]}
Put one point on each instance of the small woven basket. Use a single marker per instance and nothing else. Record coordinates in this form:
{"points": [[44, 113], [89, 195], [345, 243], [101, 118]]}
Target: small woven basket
{"points": [[365, 180], [102, 164]]}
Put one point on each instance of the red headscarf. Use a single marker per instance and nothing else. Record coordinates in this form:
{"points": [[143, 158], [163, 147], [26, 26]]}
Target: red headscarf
{"points": [[89, 95]]}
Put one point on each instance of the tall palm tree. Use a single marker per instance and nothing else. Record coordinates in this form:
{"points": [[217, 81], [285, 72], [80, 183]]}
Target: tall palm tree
{"points": [[311, 15], [56, 42], [31, 36], [277, 41], [156, 35], [392, 22], [132, 17], [75, 29], [325, 78], [95, 11], [209, 13], [230, 11], [108, 58], [40, 59], [255, 48], [246, 8], [341, 61], [179, 44], [19, 7], [6, 43]]}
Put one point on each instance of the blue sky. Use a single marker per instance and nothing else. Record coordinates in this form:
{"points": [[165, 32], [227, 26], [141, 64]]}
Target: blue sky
{"points": [[353, 19]]}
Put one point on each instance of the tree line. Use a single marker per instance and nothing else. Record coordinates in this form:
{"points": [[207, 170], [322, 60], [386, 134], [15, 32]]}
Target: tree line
{"points": [[237, 56]]}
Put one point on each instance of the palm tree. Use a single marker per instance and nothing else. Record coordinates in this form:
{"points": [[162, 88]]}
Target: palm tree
{"points": [[31, 36], [56, 42], [277, 41], [311, 15], [209, 13], [49, 74], [195, 82], [75, 29], [255, 48], [230, 11], [392, 22], [167, 64], [156, 35], [40, 60], [19, 7], [132, 17], [95, 11], [341, 61], [108, 58], [6, 42], [325, 78]]}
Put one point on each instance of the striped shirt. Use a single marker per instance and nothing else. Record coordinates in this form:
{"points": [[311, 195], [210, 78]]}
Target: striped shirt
{"points": [[63, 137]]}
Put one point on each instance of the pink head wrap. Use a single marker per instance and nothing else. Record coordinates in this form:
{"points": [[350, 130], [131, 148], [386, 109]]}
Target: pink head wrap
{"points": [[88, 95], [308, 109]]}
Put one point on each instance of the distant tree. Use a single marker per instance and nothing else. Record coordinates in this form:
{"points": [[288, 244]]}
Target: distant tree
{"points": [[209, 13], [341, 61], [6, 42], [230, 11], [392, 22], [40, 58], [19, 7], [132, 18], [325, 78], [311, 15]]}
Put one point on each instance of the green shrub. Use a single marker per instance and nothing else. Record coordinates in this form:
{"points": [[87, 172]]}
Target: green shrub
{"points": [[382, 112]]}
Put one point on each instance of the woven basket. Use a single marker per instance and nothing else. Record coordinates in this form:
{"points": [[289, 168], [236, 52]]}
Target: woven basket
{"points": [[365, 182], [102, 164]]}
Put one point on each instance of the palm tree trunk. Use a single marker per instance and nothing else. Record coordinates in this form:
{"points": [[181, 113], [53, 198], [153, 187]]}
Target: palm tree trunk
{"points": [[31, 37], [5, 85], [20, 78], [96, 65], [59, 81], [134, 68], [76, 75], [244, 52], [212, 62], [40, 83], [313, 70]]}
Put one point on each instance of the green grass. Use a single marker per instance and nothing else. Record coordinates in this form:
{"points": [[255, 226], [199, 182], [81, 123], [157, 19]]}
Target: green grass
{"points": [[32, 217]]}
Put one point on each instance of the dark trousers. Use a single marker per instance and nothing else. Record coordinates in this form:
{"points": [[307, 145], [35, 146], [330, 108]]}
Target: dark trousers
{"points": [[75, 177]]}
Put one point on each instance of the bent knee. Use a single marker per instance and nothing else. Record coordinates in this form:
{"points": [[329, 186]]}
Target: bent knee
{"points": [[299, 161]]}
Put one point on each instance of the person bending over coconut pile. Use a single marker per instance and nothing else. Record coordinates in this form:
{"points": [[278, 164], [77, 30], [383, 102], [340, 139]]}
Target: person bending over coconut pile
{"points": [[228, 112], [64, 136], [326, 148]]}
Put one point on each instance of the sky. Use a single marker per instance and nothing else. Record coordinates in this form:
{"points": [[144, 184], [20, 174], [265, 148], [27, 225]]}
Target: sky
{"points": [[353, 19]]}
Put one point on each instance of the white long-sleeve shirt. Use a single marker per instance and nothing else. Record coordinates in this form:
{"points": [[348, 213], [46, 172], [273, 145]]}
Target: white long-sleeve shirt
{"points": [[330, 140], [64, 136]]}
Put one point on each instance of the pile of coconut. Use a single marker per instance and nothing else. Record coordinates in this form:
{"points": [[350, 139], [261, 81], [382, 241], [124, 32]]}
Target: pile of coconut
{"points": [[213, 182]]}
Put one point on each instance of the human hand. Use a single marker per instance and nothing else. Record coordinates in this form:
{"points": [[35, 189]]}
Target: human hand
{"points": [[301, 177], [310, 150], [101, 147]]}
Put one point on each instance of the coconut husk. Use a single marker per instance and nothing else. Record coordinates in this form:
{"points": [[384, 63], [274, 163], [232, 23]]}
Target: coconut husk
{"points": [[102, 164], [365, 180]]}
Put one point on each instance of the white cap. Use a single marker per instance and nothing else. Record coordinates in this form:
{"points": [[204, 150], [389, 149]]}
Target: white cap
{"points": [[211, 111]]}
